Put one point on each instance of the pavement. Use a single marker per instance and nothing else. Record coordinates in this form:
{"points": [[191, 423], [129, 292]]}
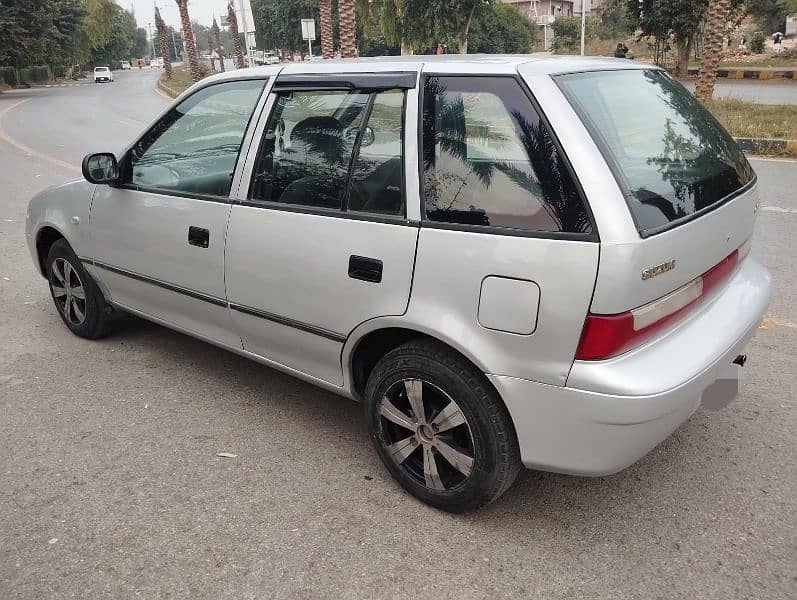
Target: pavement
{"points": [[110, 485]]}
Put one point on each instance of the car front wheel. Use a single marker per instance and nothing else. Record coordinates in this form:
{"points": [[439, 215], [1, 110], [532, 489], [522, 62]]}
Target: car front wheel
{"points": [[77, 297], [440, 428]]}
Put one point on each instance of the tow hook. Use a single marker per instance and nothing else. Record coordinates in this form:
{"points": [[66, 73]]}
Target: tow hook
{"points": [[740, 360]]}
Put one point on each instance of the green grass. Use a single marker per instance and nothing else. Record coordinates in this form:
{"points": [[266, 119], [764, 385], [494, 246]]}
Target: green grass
{"points": [[180, 81], [745, 119]]}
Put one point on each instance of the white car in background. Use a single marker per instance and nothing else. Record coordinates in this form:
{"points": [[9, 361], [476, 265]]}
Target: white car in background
{"points": [[102, 74], [126, 66]]}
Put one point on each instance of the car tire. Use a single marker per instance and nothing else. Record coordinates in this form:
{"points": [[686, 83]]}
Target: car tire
{"points": [[76, 295], [462, 453]]}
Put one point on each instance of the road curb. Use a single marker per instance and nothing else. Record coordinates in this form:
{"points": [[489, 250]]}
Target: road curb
{"points": [[164, 90], [745, 73], [768, 146]]}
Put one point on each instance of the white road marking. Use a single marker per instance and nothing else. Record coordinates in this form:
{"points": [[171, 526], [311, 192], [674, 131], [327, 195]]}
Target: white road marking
{"points": [[779, 209], [779, 160]]}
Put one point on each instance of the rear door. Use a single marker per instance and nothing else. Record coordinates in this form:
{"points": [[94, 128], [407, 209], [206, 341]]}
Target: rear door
{"points": [[319, 241]]}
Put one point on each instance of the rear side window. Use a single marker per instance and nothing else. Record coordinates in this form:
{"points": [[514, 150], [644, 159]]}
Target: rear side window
{"points": [[489, 160], [334, 149], [672, 159]]}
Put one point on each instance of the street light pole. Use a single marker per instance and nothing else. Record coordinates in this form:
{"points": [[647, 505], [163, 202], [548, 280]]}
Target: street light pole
{"points": [[174, 45], [246, 34], [583, 22], [151, 39]]}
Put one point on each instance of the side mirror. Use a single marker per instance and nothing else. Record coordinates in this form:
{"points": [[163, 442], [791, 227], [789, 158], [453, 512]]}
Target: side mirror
{"points": [[100, 168]]}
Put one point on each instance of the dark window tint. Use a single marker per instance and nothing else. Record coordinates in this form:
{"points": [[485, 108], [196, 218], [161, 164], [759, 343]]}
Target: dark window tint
{"points": [[194, 148], [377, 181], [307, 148], [669, 154], [488, 159]]}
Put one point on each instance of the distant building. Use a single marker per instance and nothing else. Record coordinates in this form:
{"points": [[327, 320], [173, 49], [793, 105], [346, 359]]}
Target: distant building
{"points": [[543, 12], [791, 25]]}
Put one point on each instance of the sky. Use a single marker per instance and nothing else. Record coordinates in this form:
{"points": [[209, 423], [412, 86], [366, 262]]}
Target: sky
{"points": [[200, 10]]}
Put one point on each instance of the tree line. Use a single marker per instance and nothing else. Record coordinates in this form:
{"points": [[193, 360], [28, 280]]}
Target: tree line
{"points": [[66, 34], [400, 26]]}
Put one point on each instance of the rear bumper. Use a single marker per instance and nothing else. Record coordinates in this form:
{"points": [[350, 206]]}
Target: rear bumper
{"points": [[614, 412]]}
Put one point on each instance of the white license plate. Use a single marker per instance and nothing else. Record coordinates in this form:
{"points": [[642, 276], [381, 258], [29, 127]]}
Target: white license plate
{"points": [[722, 392]]}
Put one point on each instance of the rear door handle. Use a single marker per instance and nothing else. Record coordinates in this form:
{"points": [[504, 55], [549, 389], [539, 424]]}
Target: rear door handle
{"points": [[197, 236], [365, 269]]}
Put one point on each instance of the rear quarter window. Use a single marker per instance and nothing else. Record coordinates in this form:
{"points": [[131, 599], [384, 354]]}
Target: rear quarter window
{"points": [[490, 161], [671, 157]]}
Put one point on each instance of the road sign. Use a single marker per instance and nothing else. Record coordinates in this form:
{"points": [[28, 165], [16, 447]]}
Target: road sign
{"points": [[308, 29]]}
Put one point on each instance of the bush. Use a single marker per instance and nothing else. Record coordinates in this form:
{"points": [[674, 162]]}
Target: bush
{"points": [[614, 20], [500, 29], [35, 74], [757, 43], [567, 32], [8, 76]]}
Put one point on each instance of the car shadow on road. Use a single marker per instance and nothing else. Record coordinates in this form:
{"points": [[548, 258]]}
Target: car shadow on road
{"points": [[538, 499]]}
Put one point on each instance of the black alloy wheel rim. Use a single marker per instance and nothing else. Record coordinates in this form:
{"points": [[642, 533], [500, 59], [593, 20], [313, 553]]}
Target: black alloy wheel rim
{"points": [[68, 291], [424, 431]]}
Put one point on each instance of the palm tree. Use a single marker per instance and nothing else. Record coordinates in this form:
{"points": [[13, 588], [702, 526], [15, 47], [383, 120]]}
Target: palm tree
{"points": [[161, 27], [713, 36], [327, 43], [347, 23], [188, 40], [236, 38], [217, 45]]}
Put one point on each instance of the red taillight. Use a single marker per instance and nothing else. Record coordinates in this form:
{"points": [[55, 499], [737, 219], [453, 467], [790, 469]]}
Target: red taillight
{"points": [[605, 336]]}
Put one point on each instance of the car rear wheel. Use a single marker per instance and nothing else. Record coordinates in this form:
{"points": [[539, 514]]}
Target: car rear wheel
{"points": [[77, 297], [440, 428]]}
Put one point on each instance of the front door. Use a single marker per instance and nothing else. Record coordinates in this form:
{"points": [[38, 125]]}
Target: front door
{"points": [[321, 242], [157, 241]]}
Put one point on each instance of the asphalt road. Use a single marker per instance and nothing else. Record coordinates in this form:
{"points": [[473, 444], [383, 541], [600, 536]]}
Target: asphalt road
{"points": [[110, 485], [761, 92]]}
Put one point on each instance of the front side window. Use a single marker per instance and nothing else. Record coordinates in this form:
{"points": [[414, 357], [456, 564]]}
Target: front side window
{"points": [[489, 160], [334, 149], [194, 148], [669, 154]]}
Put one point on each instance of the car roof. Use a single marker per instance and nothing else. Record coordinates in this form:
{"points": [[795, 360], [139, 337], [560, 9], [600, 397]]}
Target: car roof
{"points": [[498, 64]]}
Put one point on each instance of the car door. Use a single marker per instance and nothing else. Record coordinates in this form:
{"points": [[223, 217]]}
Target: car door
{"points": [[319, 241], [157, 239]]}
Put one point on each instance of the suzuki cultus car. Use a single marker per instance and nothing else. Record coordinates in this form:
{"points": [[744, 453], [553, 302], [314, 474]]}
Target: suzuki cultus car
{"points": [[502, 262]]}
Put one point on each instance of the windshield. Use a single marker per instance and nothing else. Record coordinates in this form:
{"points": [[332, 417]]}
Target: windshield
{"points": [[101, 69], [672, 159]]}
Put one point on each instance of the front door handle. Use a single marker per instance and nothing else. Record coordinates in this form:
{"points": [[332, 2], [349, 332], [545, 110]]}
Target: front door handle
{"points": [[366, 269], [198, 236]]}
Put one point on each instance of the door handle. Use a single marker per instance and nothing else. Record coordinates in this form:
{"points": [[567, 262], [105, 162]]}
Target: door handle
{"points": [[366, 269], [198, 236]]}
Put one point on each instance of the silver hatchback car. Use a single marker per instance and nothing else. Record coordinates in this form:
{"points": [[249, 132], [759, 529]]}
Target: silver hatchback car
{"points": [[509, 260]]}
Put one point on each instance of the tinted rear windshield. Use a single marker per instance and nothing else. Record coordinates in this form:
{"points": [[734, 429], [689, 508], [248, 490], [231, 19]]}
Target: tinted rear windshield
{"points": [[672, 159]]}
